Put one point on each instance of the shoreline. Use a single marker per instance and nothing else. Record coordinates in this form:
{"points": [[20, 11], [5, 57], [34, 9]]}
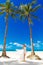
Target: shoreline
{"points": [[26, 51]]}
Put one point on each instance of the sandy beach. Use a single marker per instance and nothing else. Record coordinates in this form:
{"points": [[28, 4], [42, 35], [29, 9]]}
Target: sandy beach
{"points": [[16, 58]]}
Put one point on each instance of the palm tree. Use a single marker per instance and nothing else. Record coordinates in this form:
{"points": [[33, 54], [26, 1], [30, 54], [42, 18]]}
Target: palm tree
{"points": [[9, 9], [26, 12]]}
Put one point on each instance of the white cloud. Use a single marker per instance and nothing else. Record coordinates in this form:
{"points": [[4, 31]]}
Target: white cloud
{"points": [[17, 44], [37, 45], [21, 45], [8, 46], [10, 43], [28, 46], [38, 41]]}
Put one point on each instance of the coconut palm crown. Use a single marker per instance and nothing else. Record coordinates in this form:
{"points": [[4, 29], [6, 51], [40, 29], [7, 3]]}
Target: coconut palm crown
{"points": [[8, 9]]}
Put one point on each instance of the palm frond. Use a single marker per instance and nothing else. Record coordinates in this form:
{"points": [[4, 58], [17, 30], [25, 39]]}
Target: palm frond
{"points": [[7, 0], [30, 21], [20, 12], [22, 7], [36, 17], [13, 16], [36, 8], [2, 5], [11, 10], [22, 18], [33, 2], [2, 8], [1, 12], [26, 7]]}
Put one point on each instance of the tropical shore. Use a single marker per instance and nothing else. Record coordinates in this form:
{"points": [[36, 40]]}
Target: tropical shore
{"points": [[15, 58], [15, 54]]}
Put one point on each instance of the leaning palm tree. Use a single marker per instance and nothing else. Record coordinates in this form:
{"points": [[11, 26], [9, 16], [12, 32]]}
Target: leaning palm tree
{"points": [[26, 12], [9, 10]]}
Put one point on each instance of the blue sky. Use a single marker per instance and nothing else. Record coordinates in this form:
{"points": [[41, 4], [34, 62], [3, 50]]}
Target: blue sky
{"points": [[18, 31]]}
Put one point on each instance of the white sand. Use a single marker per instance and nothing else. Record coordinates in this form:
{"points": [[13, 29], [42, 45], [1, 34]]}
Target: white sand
{"points": [[15, 56]]}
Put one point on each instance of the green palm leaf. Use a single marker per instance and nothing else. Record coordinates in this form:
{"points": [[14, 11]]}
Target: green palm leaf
{"points": [[2, 8], [36, 17], [21, 17], [2, 5], [30, 21], [7, 0], [13, 15], [36, 8], [33, 2], [1, 12], [11, 10]]}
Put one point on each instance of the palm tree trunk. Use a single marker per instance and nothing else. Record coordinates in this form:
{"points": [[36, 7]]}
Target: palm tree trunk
{"points": [[32, 47], [33, 55], [31, 41], [6, 30]]}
